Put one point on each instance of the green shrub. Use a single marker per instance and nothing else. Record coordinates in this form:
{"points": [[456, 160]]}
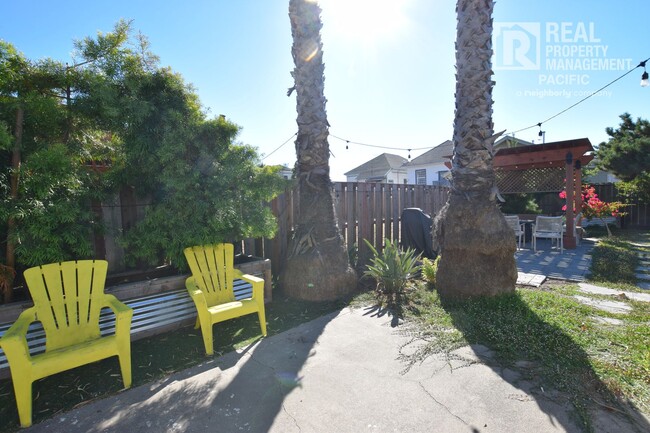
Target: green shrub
{"points": [[429, 269], [392, 269], [520, 204]]}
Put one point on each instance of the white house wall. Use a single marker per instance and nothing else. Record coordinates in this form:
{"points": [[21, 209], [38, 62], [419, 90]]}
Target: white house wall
{"points": [[432, 172], [395, 176]]}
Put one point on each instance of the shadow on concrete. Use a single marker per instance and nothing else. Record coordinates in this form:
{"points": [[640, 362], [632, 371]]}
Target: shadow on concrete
{"points": [[543, 362], [240, 391], [378, 311]]}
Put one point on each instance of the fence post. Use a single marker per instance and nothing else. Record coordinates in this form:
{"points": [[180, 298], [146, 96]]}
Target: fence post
{"points": [[364, 226]]}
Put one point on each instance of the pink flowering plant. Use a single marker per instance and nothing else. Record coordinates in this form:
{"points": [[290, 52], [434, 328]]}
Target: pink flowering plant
{"points": [[594, 207]]}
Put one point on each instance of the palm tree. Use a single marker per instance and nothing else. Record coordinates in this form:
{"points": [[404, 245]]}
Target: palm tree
{"points": [[476, 245], [317, 264]]}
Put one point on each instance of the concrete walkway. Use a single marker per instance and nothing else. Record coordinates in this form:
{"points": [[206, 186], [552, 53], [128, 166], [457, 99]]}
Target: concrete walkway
{"points": [[339, 373]]}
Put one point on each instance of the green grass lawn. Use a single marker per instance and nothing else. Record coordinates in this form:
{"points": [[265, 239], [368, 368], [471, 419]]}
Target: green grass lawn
{"points": [[614, 260], [592, 363]]}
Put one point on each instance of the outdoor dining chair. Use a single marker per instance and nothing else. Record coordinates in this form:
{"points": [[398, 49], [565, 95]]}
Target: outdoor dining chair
{"points": [[546, 227], [517, 227]]}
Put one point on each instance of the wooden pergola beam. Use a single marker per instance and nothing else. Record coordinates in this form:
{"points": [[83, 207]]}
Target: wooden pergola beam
{"points": [[543, 155], [570, 155]]}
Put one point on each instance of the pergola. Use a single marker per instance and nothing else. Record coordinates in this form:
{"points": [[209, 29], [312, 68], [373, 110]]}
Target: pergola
{"points": [[549, 167]]}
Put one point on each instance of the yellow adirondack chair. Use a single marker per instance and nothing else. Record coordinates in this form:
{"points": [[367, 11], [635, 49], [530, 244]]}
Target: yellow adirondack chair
{"points": [[211, 289], [68, 297]]}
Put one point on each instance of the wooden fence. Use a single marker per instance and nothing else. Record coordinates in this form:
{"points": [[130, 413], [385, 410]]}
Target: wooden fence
{"points": [[369, 211], [637, 214], [364, 211]]}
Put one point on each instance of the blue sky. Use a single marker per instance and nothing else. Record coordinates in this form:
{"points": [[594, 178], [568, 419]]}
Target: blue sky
{"points": [[389, 65]]}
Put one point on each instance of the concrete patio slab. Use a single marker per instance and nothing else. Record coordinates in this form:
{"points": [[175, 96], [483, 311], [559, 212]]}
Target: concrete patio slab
{"points": [[609, 306], [598, 290], [534, 280], [572, 265], [339, 373]]}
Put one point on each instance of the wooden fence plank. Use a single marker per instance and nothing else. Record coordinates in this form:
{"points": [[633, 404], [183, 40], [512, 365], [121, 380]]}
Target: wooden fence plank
{"points": [[395, 213], [364, 230], [351, 217], [379, 217]]}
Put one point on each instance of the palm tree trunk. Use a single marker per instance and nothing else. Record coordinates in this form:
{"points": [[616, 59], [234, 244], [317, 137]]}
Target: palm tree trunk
{"points": [[317, 266], [476, 245]]}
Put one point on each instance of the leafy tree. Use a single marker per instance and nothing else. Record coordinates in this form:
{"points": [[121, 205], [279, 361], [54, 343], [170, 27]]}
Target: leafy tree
{"points": [[472, 236], [317, 265], [116, 106], [203, 186], [627, 155], [43, 193]]}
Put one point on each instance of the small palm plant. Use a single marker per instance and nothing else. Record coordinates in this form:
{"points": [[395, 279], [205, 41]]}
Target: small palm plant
{"points": [[392, 269], [429, 269]]}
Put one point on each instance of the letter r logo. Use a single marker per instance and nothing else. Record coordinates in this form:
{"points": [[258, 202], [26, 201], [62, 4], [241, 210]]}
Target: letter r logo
{"points": [[517, 46]]}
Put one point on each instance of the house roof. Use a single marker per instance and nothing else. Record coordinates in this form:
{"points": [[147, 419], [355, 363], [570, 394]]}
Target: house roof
{"points": [[377, 167], [443, 152], [509, 142], [438, 154]]}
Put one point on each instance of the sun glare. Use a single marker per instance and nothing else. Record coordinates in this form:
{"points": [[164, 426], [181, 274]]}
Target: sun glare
{"points": [[366, 20]]}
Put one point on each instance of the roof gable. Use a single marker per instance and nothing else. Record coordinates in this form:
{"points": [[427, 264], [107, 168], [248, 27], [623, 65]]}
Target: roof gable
{"points": [[439, 154], [378, 166]]}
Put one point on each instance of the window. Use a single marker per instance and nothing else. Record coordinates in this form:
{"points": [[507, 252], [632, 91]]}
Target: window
{"points": [[421, 177], [443, 177]]}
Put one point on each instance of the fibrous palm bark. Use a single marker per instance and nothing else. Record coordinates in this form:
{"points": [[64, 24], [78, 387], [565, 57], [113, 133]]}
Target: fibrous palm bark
{"points": [[476, 245], [317, 266]]}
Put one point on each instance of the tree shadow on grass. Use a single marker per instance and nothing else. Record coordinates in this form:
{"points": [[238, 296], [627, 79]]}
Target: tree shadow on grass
{"points": [[538, 354]]}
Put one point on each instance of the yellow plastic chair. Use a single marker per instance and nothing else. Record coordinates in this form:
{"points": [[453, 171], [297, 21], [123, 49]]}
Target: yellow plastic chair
{"points": [[211, 288], [68, 298]]}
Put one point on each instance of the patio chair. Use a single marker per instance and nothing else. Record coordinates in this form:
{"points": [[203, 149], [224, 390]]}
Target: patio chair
{"points": [[68, 298], [517, 227], [546, 227], [211, 287]]}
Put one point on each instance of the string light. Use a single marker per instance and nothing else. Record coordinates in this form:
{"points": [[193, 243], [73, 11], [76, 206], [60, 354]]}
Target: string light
{"points": [[643, 77], [377, 146], [644, 83], [280, 146]]}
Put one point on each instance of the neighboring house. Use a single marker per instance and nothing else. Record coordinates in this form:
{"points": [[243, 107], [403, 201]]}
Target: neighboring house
{"points": [[430, 168], [597, 176], [286, 172], [433, 166], [387, 168], [508, 142], [600, 177]]}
